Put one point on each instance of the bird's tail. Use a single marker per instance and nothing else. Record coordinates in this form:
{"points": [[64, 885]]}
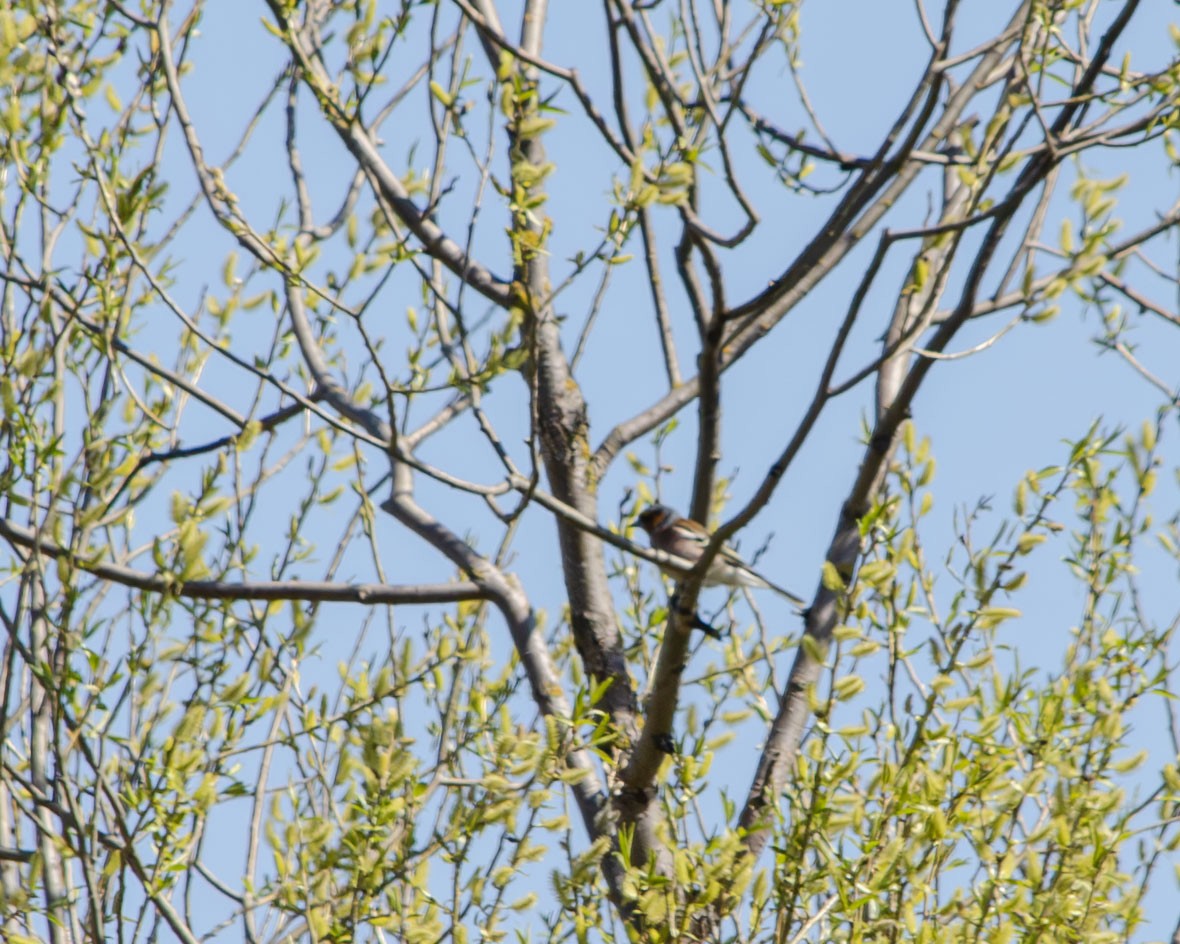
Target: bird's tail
{"points": [[784, 592]]}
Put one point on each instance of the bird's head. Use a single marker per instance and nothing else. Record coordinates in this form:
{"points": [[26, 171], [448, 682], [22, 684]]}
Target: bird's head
{"points": [[656, 517]]}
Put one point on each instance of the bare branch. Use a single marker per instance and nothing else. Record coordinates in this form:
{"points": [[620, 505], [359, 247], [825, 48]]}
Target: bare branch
{"points": [[356, 137], [897, 388], [305, 591]]}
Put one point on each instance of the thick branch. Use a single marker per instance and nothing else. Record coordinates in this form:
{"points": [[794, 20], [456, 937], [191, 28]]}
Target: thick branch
{"points": [[896, 392], [887, 180], [306, 591], [563, 425]]}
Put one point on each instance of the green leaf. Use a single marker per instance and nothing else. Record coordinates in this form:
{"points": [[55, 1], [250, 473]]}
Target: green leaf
{"points": [[441, 94], [991, 616]]}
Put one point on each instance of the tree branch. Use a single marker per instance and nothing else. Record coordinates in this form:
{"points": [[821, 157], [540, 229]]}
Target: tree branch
{"points": [[844, 229], [371, 594], [356, 137], [897, 389]]}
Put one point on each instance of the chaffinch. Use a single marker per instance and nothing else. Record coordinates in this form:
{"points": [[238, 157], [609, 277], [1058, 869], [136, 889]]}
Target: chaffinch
{"points": [[686, 539]]}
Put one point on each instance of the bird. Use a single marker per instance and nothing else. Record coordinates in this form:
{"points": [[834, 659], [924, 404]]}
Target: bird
{"points": [[687, 539]]}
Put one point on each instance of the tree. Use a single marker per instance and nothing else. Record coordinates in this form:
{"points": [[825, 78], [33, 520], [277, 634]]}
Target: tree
{"points": [[281, 547]]}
